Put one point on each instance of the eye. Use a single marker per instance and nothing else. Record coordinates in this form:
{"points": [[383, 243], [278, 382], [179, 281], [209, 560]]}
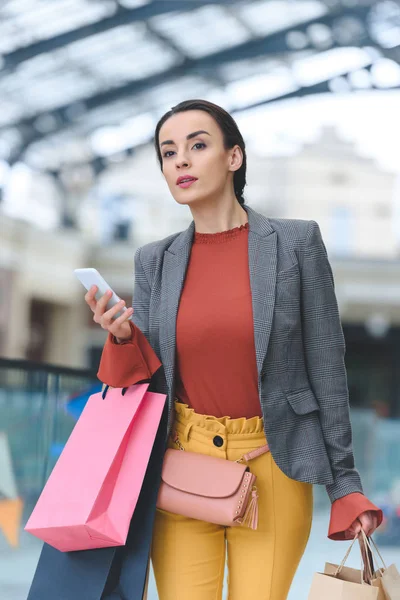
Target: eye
{"points": [[197, 146]]}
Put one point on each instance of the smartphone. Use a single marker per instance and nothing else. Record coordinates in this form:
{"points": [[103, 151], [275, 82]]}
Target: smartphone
{"points": [[89, 277]]}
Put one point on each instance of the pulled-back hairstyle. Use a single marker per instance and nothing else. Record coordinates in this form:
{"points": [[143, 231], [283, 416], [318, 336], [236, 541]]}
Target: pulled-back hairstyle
{"points": [[230, 132]]}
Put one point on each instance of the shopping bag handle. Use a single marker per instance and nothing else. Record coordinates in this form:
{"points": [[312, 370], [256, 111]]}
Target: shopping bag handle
{"points": [[372, 549], [367, 561], [346, 556], [366, 567], [106, 388]]}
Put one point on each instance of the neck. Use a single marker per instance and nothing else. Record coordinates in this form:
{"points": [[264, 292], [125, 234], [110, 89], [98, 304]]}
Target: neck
{"points": [[218, 217]]}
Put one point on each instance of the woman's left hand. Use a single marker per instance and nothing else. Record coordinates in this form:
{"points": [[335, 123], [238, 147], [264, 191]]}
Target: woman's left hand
{"points": [[368, 521]]}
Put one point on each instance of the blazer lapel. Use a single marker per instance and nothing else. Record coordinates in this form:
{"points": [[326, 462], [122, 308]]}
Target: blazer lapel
{"points": [[176, 260], [262, 252], [262, 268]]}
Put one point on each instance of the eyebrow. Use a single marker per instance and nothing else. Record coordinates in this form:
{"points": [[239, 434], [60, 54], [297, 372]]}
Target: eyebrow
{"points": [[188, 137]]}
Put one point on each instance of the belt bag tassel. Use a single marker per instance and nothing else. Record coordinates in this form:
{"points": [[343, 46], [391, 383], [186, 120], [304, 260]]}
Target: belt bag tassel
{"points": [[209, 488], [251, 515]]}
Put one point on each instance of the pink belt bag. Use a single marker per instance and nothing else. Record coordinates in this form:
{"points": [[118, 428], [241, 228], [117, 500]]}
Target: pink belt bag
{"points": [[209, 488]]}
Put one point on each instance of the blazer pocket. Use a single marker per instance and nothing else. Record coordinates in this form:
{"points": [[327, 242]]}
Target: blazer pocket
{"points": [[302, 401], [288, 273]]}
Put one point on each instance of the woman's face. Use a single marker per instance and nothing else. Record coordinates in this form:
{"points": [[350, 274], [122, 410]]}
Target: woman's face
{"points": [[191, 146]]}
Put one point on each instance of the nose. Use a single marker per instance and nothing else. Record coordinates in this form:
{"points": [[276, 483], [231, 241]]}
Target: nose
{"points": [[181, 161]]}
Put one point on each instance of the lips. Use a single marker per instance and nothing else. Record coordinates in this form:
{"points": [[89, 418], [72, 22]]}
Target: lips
{"points": [[185, 179]]}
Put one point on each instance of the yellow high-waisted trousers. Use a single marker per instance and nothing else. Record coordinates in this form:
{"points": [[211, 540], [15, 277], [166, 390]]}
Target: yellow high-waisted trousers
{"points": [[189, 555]]}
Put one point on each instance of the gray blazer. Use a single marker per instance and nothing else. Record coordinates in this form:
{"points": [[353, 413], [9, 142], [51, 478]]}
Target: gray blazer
{"points": [[299, 342]]}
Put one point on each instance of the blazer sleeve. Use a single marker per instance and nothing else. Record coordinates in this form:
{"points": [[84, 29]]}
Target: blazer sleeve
{"points": [[124, 364], [324, 351]]}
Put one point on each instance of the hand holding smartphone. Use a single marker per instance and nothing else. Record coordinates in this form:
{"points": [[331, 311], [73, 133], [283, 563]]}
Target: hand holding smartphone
{"points": [[89, 277], [109, 310]]}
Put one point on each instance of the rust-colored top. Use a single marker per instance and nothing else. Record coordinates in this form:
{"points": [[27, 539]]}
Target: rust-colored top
{"points": [[215, 352], [216, 370]]}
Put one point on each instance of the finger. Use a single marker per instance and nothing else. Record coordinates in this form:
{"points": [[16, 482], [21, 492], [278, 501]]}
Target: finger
{"points": [[106, 320], [376, 521], [366, 522], [352, 533], [355, 527], [90, 297], [111, 312], [374, 524], [116, 323], [101, 306]]}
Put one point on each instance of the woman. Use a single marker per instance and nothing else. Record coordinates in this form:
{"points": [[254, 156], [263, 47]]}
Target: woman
{"points": [[241, 313]]}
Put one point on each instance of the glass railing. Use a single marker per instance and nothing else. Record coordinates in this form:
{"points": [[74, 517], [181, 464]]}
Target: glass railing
{"points": [[39, 406]]}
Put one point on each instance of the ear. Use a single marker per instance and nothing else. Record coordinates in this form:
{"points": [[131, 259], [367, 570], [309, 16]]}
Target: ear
{"points": [[235, 158]]}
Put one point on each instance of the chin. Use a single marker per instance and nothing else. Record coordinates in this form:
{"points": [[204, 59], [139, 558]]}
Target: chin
{"points": [[188, 199]]}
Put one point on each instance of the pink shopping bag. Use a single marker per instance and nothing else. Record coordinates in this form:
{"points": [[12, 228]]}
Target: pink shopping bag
{"points": [[91, 494]]}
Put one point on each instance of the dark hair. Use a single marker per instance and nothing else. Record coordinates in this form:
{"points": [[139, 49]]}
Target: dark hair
{"points": [[230, 132]]}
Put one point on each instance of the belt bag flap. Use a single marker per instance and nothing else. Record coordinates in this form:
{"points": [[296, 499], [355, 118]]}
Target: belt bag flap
{"points": [[201, 474]]}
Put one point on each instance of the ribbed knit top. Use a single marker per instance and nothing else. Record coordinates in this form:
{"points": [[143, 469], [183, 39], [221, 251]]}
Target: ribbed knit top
{"points": [[220, 236], [216, 368]]}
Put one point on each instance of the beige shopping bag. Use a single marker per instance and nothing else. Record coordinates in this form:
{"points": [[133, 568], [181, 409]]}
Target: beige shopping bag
{"points": [[330, 587], [355, 576], [344, 583], [391, 583], [388, 577]]}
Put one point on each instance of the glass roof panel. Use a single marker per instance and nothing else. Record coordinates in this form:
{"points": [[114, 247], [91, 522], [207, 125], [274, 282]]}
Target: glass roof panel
{"points": [[268, 16], [10, 141], [10, 112], [50, 89], [133, 3], [131, 132], [112, 114], [51, 92], [257, 88], [34, 69], [202, 31], [24, 22], [234, 71], [173, 92], [127, 52], [55, 151], [385, 23], [324, 66], [86, 67]]}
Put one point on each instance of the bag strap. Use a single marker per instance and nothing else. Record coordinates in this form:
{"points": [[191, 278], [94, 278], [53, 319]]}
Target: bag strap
{"points": [[246, 457], [365, 565], [254, 453], [372, 549], [107, 387], [346, 556]]}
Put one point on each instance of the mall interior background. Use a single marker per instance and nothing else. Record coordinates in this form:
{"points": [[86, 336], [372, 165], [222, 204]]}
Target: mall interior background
{"points": [[315, 88]]}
